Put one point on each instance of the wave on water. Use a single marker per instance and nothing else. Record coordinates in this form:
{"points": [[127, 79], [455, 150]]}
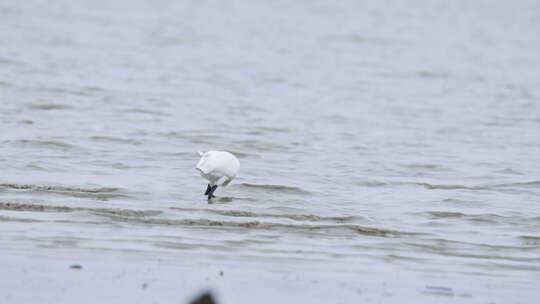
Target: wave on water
{"points": [[48, 208], [51, 144], [532, 184], [488, 218], [50, 106], [16, 219], [103, 193], [530, 240], [110, 139], [450, 187], [298, 217], [504, 186], [310, 228], [144, 111], [481, 252], [276, 188], [242, 154], [58, 188], [495, 187], [148, 217]]}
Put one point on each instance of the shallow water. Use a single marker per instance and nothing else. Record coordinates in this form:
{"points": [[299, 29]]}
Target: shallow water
{"points": [[376, 139]]}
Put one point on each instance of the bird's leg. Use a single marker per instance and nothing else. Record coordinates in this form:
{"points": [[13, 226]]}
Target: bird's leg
{"points": [[207, 190], [211, 192]]}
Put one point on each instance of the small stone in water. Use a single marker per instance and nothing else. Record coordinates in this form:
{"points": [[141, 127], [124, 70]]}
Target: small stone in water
{"points": [[75, 266]]}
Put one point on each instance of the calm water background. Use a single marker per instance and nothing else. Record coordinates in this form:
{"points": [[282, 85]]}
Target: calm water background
{"points": [[382, 143]]}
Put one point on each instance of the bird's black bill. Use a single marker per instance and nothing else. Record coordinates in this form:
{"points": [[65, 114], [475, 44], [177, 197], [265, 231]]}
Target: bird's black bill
{"points": [[207, 190], [211, 192]]}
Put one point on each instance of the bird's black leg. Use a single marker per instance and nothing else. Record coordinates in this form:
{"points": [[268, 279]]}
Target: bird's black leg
{"points": [[207, 190], [211, 192]]}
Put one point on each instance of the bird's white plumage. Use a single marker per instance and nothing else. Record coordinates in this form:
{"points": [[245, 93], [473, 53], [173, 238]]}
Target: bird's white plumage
{"points": [[218, 167]]}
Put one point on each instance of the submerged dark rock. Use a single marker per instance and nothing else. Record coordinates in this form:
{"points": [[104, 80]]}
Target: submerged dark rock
{"points": [[204, 298], [76, 266]]}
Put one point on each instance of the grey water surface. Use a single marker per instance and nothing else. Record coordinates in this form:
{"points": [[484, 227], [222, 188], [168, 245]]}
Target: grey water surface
{"points": [[389, 149]]}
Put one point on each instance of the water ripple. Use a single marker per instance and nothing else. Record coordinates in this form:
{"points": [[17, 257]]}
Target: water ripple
{"points": [[327, 228], [276, 188], [297, 217], [103, 193], [47, 208]]}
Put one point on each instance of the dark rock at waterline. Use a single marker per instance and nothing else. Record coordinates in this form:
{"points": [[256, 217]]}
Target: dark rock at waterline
{"points": [[205, 298], [75, 266]]}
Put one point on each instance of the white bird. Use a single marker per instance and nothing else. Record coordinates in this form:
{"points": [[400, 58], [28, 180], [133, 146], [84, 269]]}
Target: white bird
{"points": [[219, 168]]}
